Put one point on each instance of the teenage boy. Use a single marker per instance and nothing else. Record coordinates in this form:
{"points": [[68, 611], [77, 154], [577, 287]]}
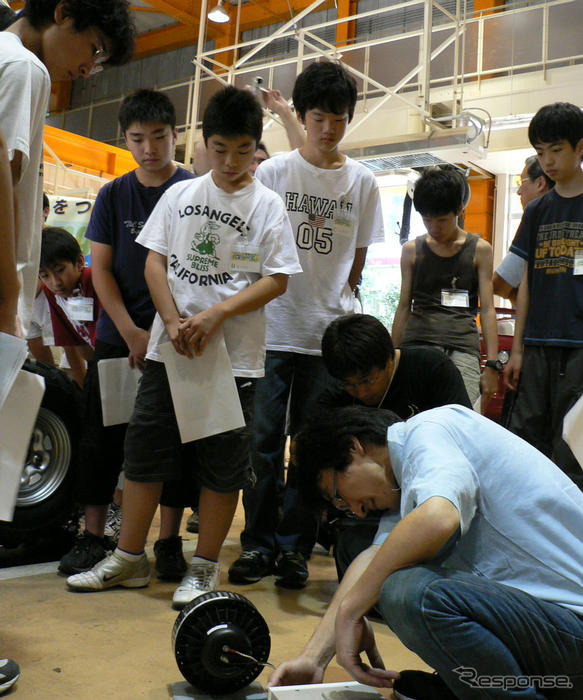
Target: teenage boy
{"points": [[533, 184], [358, 352], [214, 216], [548, 319], [148, 122], [72, 300], [482, 577], [334, 206], [50, 40], [443, 276]]}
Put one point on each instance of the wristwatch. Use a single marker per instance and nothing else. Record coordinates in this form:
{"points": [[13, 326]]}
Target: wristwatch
{"points": [[494, 364]]}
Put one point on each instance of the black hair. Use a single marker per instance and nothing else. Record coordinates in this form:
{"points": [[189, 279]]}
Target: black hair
{"points": [[7, 16], [261, 147], [326, 442], [325, 85], [112, 17], [355, 344], [233, 112], [46, 202], [440, 190], [534, 171], [556, 122], [146, 106], [58, 246]]}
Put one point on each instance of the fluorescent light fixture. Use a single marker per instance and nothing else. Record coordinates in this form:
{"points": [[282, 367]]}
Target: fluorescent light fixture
{"points": [[218, 14]]}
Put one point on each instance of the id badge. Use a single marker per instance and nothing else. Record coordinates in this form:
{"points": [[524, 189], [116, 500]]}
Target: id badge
{"points": [[578, 262], [245, 258], [80, 308], [343, 225], [455, 297]]}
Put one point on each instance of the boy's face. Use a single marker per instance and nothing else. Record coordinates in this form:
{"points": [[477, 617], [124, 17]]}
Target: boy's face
{"points": [[442, 228], [230, 159], [151, 145], [369, 388], [62, 278], [324, 130], [559, 159], [258, 158], [68, 54]]}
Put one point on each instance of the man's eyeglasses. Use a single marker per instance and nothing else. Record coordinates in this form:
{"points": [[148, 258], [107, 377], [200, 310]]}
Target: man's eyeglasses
{"points": [[369, 381], [338, 502], [100, 55]]}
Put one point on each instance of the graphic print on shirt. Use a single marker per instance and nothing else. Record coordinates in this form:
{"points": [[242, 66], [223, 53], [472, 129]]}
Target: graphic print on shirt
{"points": [[133, 227], [316, 233], [557, 247]]}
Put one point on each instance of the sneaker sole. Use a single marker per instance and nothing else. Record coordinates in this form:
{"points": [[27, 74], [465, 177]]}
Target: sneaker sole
{"points": [[245, 579], [292, 584], [129, 583], [9, 683]]}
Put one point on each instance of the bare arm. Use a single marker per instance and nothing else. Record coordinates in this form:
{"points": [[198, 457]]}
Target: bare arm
{"points": [[40, 351], [489, 380], [9, 284], [77, 356], [357, 267], [310, 665], [404, 306], [417, 538], [110, 297], [514, 366], [275, 102], [501, 287]]}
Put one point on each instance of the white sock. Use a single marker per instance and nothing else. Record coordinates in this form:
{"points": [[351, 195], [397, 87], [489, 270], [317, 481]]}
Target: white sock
{"points": [[127, 555]]}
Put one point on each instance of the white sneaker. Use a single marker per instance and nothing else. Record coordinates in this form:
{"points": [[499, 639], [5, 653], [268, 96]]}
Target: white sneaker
{"points": [[202, 576], [112, 571]]}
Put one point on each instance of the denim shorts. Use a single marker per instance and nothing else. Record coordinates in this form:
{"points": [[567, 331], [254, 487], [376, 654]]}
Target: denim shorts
{"points": [[154, 452]]}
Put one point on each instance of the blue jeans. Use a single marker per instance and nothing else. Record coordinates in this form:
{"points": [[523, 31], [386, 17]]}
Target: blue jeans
{"points": [[275, 519], [452, 619]]}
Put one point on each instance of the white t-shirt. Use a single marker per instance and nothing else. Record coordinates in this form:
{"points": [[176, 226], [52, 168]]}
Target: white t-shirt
{"points": [[41, 325], [521, 517], [332, 213], [24, 100], [198, 227], [511, 269]]}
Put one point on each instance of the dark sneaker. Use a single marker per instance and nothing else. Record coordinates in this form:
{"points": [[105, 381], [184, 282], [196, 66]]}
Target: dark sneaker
{"points": [[9, 674], [170, 564], [419, 685], [85, 553], [291, 570], [192, 522], [250, 567]]}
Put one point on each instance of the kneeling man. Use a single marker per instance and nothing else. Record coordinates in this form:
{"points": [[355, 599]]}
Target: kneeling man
{"points": [[477, 565]]}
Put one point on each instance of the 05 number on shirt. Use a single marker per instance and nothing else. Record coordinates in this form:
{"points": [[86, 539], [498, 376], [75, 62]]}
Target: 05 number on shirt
{"points": [[311, 237]]}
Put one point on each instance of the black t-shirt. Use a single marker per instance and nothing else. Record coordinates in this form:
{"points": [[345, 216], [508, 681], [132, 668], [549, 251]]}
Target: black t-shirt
{"points": [[549, 238], [425, 378]]}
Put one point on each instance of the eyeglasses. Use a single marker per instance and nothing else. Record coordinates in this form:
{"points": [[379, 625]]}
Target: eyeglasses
{"points": [[369, 381], [338, 502], [100, 55]]}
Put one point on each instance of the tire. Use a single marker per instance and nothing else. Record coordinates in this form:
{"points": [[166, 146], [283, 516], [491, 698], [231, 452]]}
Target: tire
{"points": [[45, 498]]}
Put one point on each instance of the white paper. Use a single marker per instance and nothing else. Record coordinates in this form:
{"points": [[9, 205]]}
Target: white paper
{"points": [[17, 419], [12, 357], [118, 386], [203, 390], [573, 430]]}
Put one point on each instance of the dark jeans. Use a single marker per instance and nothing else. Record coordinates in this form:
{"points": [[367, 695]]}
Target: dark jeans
{"points": [[275, 519], [551, 381]]}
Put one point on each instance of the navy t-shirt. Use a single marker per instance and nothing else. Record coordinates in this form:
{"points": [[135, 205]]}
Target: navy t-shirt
{"points": [[548, 238], [121, 209]]}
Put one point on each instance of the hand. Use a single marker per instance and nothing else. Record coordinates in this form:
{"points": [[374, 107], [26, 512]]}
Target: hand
{"points": [[353, 636], [489, 385], [173, 330], [299, 671], [512, 370], [138, 344], [275, 102], [196, 331]]}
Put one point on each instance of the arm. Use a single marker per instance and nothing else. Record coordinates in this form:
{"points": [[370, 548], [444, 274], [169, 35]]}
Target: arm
{"points": [[310, 665], [357, 267], [157, 281], [514, 366], [489, 380], [501, 287], [417, 538], [404, 306], [9, 284], [77, 356], [275, 102], [110, 297], [196, 331], [40, 351]]}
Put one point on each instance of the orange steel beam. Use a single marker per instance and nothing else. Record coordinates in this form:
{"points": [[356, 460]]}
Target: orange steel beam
{"points": [[88, 155], [346, 31]]}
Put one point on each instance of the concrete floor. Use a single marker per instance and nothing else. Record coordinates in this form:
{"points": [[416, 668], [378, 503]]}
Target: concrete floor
{"points": [[116, 644]]}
